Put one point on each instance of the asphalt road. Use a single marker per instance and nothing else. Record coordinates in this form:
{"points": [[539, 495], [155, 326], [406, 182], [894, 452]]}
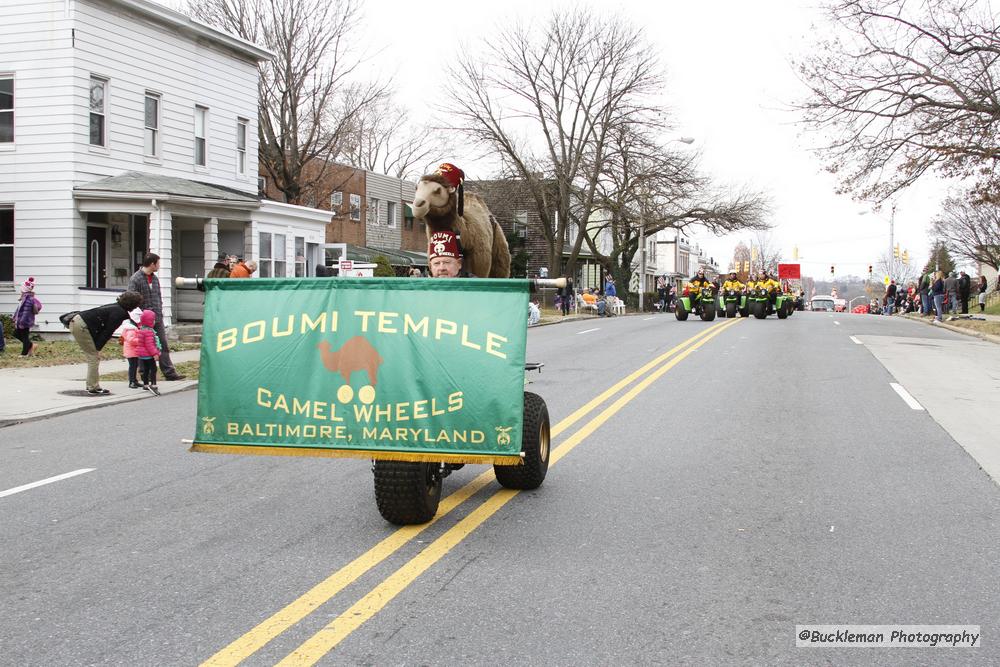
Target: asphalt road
{"points": [[765, 475]]}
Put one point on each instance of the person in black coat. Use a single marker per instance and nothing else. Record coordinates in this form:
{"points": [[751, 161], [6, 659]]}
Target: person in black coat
{"points": [[93, 328], [964, 291], [567, 296]]}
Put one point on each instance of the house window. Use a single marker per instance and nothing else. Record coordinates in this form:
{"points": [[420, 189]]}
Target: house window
{"points": [[407, 216], [300, 256], [373, 218], [98, 101], [264, 255], [280, 270], [390, 213], [152, 124], [200, 136], [521, 224], [336, 200], [241, 146], [6, 109], [356, 207], [6, 244]]}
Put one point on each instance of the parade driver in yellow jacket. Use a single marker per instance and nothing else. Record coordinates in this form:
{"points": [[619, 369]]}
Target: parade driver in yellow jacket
{"points": [[770, 284], [732, 283], [694, 288]]}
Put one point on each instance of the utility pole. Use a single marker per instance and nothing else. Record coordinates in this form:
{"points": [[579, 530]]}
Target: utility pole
{"points": [[892, 225], [642, 256]]}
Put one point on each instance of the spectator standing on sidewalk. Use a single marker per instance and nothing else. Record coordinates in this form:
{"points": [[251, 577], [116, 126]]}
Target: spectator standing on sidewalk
{"points": [[951, 290], [924, 290], [24, 316], [568, 296], [241, 270], [149, 351], [983, 286], [130, 347], [890, 298], [93, 328], [145, 282], [964, 291], [937, 292], [220, 270]]}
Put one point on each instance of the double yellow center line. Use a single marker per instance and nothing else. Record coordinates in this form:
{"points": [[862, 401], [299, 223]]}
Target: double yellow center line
{"points": [[333, 633]]}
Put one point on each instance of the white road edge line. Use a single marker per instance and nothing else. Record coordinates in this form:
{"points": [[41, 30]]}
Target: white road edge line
{"points": [[905, 395], [836, 322], [587, 331], [856, 341], [646, 319], [57, 478]]}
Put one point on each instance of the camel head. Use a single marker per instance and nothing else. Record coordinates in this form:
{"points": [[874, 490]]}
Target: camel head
{"points": [[434, 197]]}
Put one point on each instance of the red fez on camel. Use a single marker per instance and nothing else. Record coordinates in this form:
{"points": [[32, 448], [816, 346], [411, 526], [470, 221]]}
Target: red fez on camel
{"points": [[454, 177]]}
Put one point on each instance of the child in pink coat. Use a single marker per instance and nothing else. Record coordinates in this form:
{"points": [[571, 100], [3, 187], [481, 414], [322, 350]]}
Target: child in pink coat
{"points": [[148, 347], [130, 350]]}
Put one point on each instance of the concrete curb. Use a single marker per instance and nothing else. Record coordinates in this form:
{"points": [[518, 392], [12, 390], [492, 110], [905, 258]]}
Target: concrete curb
{"points": [[990, 338]]}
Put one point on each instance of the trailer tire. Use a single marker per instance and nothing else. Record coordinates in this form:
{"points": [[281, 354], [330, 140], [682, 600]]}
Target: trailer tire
{"points": [[534, 446], [407, 493], [680, 312]]}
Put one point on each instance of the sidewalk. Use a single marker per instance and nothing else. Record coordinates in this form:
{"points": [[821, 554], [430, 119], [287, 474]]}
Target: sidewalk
{"points": [[27, 394], [948, 320]]}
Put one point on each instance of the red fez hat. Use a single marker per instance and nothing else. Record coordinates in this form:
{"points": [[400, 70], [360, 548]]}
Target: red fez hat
{"points": [[454, 177], [452, 174], [443, 244]]}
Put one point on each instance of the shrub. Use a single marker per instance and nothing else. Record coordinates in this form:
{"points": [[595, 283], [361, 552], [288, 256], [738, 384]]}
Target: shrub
{"points": [[383, 268]]}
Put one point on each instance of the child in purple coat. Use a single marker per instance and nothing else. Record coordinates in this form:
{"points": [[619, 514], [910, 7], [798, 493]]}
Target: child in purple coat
{"points": [[148, 347], [24, 317]]}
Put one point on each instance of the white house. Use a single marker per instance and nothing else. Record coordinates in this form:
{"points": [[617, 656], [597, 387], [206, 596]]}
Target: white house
{"points": [[127, 128], [673, 256]]}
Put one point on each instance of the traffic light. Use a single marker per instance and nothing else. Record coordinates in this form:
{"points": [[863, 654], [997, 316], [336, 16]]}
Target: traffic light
{"points": [[906, 257], [869, 270], [795, 253], [895, 252], [831, 269], [746, 266]]}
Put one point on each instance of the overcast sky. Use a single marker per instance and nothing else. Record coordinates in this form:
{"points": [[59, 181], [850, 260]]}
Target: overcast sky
{"points": [[729, 84]]}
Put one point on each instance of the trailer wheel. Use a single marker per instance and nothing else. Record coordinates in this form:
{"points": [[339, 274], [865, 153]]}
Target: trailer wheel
{"points": [[680, 312], [534, 446], [407, 493]]}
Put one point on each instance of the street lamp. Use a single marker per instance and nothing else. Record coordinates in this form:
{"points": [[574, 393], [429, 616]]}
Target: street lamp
{"points": [[642, 235]]}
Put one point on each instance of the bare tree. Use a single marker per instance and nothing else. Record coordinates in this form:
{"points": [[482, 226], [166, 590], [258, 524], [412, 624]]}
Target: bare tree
{"points": [[310, 98], [900, 271], [385, 141], [904, 89], [567, 84], [765, 253], [971, 230]]}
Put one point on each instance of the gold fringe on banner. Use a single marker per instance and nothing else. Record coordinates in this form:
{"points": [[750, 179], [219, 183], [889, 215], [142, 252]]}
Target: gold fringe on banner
{"points": [[415, 457]]}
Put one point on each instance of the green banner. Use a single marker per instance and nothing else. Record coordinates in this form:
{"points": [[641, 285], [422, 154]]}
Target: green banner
{"points": [[392, 366]]}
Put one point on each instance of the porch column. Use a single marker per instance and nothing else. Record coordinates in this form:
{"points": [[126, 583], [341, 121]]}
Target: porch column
{"points": [[211, 244], [161, 241]]}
